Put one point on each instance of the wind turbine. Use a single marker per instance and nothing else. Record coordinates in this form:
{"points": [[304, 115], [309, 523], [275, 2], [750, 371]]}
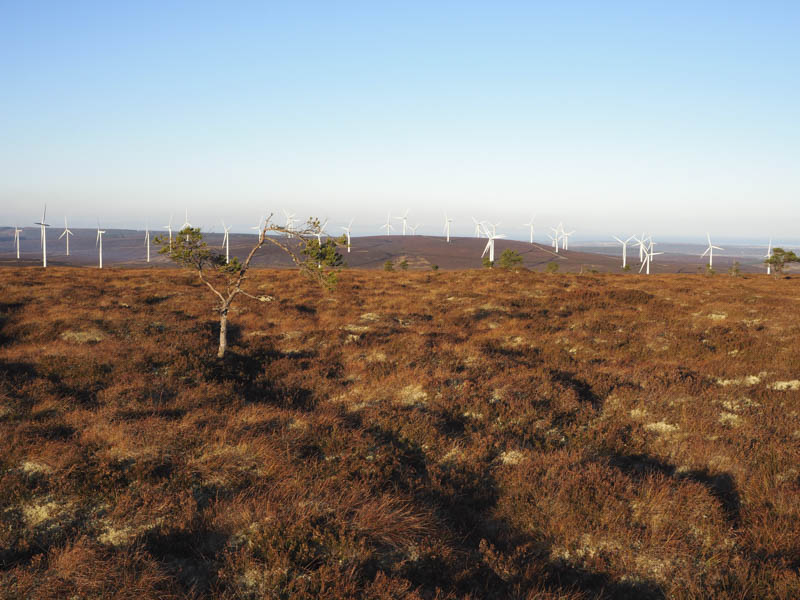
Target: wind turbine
{"points": [[477, 227], [289, 221], [565, 238], [347, 233], [67, 233], [147, 240], [258, 229], [388, 224], [624, 249], [226, 242], [710, 251], [17, 231], [648, 257], [320, 231], [169, 228], [643, 245], [490, 245], [186, 223], [556, 237], [414, 228], [767, 256], [530, 224], [43, 241], [99, 243], [404, 219], [446, 230]]}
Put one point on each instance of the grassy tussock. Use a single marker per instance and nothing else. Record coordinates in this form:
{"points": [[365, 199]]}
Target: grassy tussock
{"points": [[447, 435]]}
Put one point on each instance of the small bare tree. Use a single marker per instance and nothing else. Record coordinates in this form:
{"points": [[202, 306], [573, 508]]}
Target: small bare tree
{"points": [[225, 279]]}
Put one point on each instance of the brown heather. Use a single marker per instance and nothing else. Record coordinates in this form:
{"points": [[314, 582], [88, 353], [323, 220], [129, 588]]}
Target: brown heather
{"points": [[410, 435]]}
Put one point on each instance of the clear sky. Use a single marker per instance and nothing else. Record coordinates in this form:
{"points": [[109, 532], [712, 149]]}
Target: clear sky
{"points": [[674, 117]]}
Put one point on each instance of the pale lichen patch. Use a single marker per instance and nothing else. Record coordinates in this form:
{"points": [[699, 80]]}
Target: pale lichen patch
{"points": [[662, 427], [794, 384]]}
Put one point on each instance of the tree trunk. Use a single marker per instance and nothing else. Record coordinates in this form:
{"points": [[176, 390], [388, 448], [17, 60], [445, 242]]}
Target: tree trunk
{"points": [[223, 333]]}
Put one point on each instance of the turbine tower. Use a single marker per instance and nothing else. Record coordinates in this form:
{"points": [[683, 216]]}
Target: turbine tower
{"points": [[490, 246], [43, 241], [169, 228], [147, 240], [388, 224], [17, 231], [648, 257], [624, 249], [226, 243], [565, 238], [710, 251], [186, 223], [289, 221], [767, 256], [446, 230], [556, 237], [530, 224], [404, 219], [99, 243], [477, 227], [67, 233], [258, 229], [347, 233], [320, 231]]}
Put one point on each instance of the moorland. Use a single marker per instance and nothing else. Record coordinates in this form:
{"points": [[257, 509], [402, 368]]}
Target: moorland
{"points": [[463, 434]]}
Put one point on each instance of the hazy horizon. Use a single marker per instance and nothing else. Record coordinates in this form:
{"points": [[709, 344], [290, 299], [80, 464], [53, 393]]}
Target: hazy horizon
{"points": [[611, 118]]}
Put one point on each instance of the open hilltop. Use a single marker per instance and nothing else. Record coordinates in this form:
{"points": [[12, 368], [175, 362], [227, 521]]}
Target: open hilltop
{"points": [[483, 434]]}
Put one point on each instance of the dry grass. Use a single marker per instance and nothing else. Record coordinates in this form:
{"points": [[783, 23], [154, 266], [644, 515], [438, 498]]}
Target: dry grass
{"points": [[432, 435]]}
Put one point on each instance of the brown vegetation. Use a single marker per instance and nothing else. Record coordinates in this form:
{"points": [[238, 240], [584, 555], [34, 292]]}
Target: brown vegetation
{"points": [[433, 435]]}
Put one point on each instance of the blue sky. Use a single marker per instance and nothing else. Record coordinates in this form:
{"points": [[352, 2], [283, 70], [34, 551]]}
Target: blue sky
{"points": [[614, 117]]}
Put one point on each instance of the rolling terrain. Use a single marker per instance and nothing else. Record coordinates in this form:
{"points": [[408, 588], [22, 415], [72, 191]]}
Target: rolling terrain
{"points": [[124, 248], [451, 434]]}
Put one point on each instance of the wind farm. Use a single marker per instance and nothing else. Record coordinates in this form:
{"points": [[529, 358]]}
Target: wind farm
{"points": [[517, 319]]}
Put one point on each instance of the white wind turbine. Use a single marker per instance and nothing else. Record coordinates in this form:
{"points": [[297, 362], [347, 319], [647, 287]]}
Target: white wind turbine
{"points": [[414, 228], [388, 224], [168, 227], [147, 240], [648, 257], [710, 251], [490, 245], [624, 249], [258, 229], [226, 242], [446, 229], [320, 231], [99, 243], [186, 223], [290, 220], [642, 241], [556, 237], [478, 229], [43, 241], [530, 224], [768, 255], [67, 233], [347, 233], [565, 238], [404, 219], [17, 231]]}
